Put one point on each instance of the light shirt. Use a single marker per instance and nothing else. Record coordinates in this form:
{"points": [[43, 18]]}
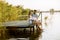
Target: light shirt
{"points": [[33, 17]]}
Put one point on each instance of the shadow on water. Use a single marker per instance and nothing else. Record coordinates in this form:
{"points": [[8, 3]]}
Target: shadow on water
{"points": [[22, 34], [36, 35]]}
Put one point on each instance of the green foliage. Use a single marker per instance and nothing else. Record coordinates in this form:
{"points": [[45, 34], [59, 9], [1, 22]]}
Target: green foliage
{"points": [[11, 13]]}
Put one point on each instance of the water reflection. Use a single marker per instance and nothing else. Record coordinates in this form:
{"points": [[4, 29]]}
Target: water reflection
{"points": [[23, 34], [52, 31]]}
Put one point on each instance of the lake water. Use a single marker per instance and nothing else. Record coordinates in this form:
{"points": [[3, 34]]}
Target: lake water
{"points": [[52, 31]]}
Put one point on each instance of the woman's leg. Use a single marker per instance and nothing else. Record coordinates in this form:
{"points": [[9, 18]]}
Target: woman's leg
{"points": [[38, 24]]}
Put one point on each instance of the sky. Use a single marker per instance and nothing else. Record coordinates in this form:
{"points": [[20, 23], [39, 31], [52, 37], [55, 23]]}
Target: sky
{"points": [[37, 4], [52, 31]]}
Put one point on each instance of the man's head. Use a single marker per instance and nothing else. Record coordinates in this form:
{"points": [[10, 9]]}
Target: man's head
{"points": [[35, 11]]}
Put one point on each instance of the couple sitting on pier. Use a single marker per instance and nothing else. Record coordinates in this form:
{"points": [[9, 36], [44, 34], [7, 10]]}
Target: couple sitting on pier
{"points": [[33, 17]]}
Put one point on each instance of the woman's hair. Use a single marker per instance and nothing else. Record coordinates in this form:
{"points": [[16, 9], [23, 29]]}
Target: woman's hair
{"points": [[30, 11]]}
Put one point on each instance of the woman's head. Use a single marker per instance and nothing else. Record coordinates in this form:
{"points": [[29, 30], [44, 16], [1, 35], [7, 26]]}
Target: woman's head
{"points": [[30, 12]]}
